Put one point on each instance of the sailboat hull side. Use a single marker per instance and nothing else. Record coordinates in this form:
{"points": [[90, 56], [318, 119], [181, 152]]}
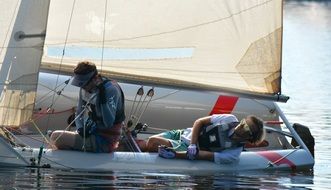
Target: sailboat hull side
{"points": [[291, 159], [10, 157], [168, 103]]}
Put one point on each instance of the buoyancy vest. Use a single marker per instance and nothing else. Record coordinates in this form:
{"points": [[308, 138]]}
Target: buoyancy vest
{"points": [[111, 135], [120, 114], [215, 137]]}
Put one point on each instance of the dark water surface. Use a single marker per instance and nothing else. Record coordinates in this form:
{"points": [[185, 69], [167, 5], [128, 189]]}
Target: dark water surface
{"points": [[306, 79], [25, 178]]}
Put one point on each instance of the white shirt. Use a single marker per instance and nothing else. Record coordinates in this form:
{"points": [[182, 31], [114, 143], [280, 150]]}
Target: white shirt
{"points": [[222, 157]]}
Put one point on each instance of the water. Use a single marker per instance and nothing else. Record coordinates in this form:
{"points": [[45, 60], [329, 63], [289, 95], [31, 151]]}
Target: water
{"points": [[307, 45], [52, 179], [306, 78]]}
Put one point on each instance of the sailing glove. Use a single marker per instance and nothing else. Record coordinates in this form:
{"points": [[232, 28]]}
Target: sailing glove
{"points": [[192, 152], [166, 152]]}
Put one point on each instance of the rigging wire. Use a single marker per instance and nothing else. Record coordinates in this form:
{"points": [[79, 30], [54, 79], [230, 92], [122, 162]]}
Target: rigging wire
{"points": [[59, 92], [61, 61], [104, 33]]}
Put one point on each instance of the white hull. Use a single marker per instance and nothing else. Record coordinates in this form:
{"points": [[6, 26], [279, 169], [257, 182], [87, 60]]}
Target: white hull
{"points": [[291, 159]]}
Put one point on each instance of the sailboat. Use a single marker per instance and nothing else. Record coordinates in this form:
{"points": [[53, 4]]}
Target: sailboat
{"points": [[228, 47]]}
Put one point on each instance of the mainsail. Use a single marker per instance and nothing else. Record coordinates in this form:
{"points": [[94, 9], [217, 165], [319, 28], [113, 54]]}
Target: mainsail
{"points": [[22, 32], [231, 46]]}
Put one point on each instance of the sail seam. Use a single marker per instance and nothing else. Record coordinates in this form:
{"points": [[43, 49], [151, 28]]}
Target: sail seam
{"points": [[177, 30]]}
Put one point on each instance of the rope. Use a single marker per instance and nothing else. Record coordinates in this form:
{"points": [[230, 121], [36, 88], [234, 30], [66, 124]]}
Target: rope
{"points": [[57, 112], [36, 126], [44, 137], [139, 101], [71, 124], [149, 94], [17, 131], [130, 142], [140, 92], [13, 136], [88, 102]]}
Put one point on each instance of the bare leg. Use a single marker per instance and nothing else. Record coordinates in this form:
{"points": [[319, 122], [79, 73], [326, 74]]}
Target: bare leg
{"points": [[142, 145], [155, 141], [63, 140]]}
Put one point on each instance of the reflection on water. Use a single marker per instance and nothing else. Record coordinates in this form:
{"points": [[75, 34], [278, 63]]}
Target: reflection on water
{"points": [[306, 78], [26, 178]]}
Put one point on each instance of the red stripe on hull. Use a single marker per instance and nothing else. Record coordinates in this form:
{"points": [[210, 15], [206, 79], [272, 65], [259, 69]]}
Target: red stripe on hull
{"points": [[224, 105], [277, 159]]}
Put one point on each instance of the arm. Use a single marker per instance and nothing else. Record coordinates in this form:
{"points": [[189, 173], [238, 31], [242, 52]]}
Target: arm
{"points": [[197, 125], [225, 157], [203, 155]]}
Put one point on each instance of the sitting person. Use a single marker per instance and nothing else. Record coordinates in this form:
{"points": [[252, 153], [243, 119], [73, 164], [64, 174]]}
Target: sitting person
{"points": [[219, 138], [99, 114]]}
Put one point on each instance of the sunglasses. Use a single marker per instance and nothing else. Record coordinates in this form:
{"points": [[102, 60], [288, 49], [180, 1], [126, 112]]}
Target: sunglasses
{"points": [[243, 125]]}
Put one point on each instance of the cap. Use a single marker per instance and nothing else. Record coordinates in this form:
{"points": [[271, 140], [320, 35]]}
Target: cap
{"points": [[81, 80]]}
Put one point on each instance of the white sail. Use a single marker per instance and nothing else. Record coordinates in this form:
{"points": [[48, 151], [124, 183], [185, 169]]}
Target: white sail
{"points": [[230, 45], [22, 31]]}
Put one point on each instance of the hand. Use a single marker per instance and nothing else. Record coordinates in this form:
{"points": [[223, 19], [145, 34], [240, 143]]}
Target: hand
{"points": [[192, 152], [80, 131]]}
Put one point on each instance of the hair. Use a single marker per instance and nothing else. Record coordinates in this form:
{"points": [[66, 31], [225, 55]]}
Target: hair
{"points": [[258, 131], [85, 67]]}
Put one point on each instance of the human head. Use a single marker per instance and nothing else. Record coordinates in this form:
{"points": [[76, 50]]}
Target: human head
{"points": [[251, 128], [83, 73]]}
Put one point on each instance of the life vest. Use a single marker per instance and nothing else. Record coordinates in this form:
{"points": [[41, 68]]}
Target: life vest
{"points": [[109, 136], [215, 137], [120, 114]]}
